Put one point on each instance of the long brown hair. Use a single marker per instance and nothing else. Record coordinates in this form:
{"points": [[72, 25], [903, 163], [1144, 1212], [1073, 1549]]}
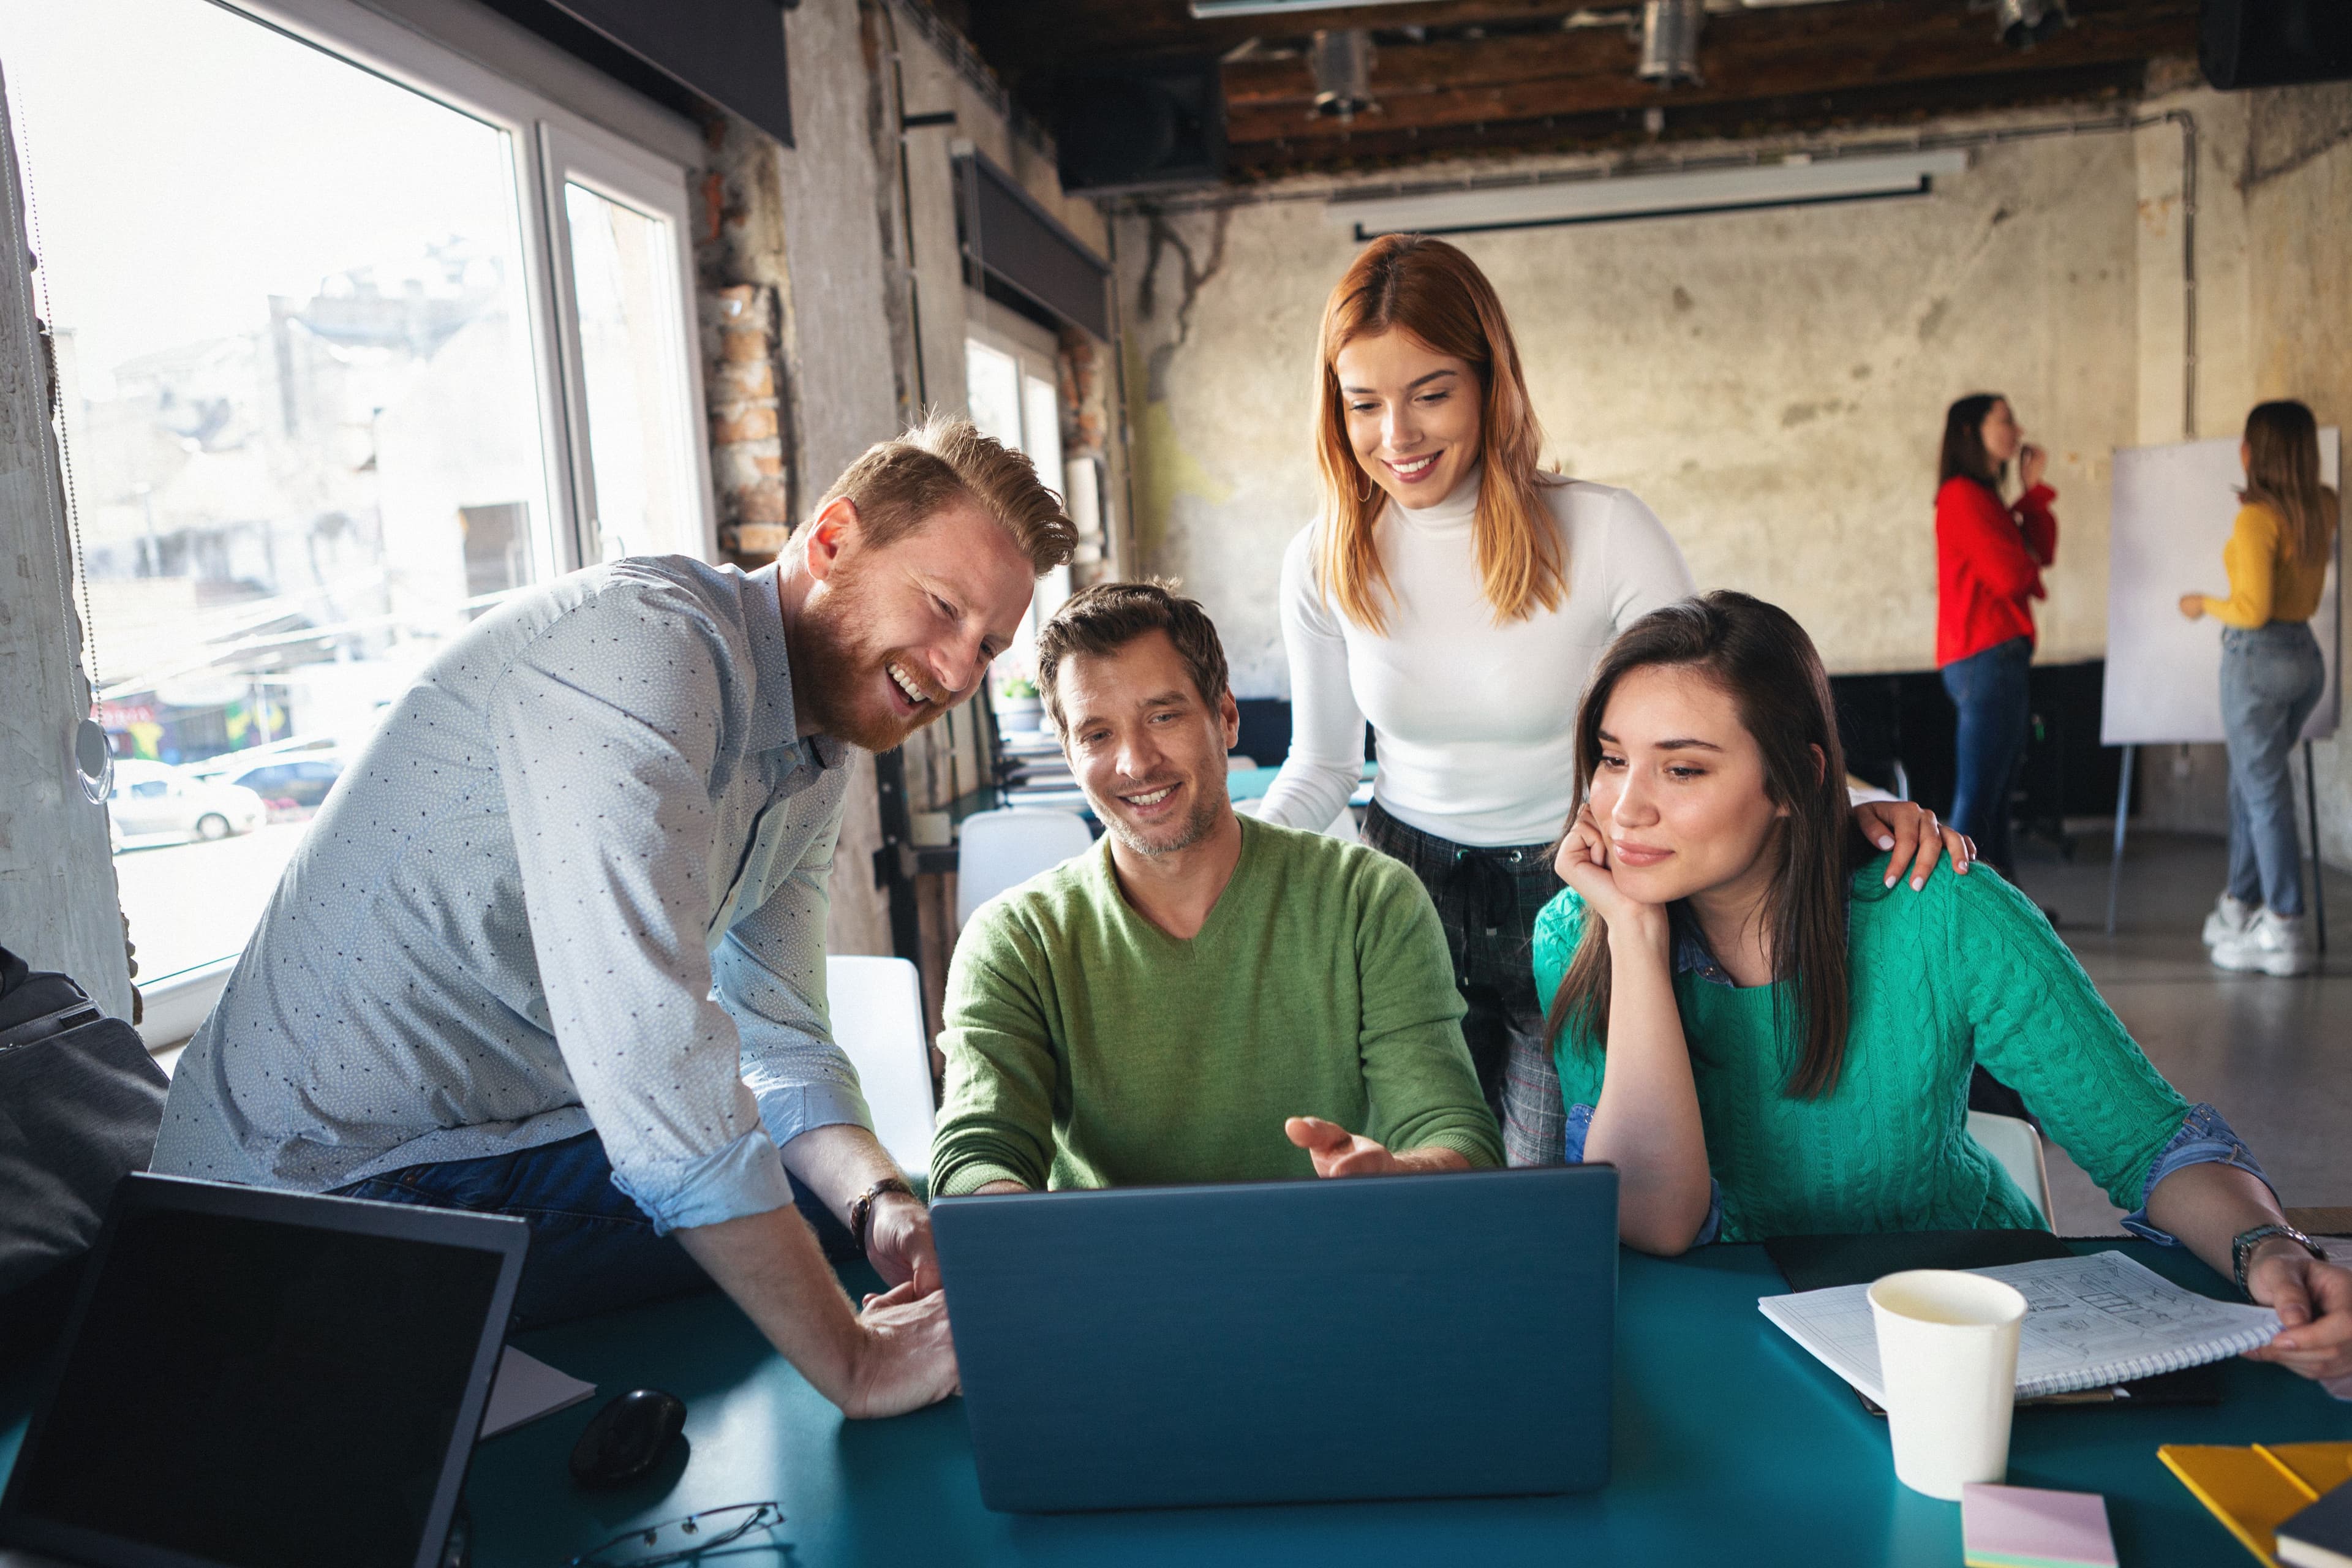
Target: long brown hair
{"points": [[1964, 456], [1433, 291], [2282, 474], [1759, 656]]}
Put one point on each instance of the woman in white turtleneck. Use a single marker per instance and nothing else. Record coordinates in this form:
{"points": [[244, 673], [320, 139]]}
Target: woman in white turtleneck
{"points": [[1456, 596]]}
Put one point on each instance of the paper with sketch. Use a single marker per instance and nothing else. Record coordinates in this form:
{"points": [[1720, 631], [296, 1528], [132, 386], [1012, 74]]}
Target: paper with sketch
{"points": [[526, 1389], [2090, 1321]]}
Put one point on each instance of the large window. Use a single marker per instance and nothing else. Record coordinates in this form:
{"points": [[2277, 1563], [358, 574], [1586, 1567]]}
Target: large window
{"points": [[354, 338], [1013, 386]]}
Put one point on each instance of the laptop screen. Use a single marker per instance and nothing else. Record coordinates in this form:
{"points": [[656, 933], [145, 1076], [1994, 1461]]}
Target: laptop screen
{"points": [[261, 1394]]}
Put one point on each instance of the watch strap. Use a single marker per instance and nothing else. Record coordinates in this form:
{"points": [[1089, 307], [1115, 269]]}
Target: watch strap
{"points": [[2243, 1244], [861, 1208]]}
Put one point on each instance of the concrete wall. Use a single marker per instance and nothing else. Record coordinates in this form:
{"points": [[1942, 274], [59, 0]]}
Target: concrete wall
{"points": [[834, 312], [53, 844], [1773, 383]]}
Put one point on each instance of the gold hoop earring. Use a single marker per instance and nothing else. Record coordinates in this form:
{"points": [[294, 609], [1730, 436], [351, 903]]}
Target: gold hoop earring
{"points": [[1366, 493]]}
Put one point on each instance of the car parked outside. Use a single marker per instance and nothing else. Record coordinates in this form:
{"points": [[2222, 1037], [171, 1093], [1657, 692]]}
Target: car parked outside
{"points": [[155, 800], [293, 787]]}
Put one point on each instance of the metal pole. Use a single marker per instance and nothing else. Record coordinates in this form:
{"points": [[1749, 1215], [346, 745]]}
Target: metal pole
{"points": [[2123, 818], [2318, 867]]}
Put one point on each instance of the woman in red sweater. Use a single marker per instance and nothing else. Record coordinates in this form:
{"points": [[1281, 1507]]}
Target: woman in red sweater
{"points": [[1988, 560]]}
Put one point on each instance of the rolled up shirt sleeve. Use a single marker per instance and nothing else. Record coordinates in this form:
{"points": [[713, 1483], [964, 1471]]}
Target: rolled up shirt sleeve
{"points": [[605, 772], [1580, 1127], [772, 981], [2204, 1138]]}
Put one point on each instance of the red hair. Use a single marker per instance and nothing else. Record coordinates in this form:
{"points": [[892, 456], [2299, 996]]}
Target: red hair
{"points": [[1434, 293]]}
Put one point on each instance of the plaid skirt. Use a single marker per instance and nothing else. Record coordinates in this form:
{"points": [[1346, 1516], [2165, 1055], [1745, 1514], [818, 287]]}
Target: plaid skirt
{"points": [[1487, 899]]}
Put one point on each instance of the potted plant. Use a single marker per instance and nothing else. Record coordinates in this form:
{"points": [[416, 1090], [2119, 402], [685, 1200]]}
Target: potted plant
{"points": [[1018, 707]]}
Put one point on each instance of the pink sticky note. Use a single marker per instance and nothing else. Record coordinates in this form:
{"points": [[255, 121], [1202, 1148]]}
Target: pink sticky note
{"points": [[2026, 1527]]}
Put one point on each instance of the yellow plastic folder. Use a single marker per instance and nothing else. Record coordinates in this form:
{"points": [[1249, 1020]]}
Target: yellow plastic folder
{"points": [[2254, 1491]]}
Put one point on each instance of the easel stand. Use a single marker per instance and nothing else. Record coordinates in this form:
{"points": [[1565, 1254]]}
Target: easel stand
{"points": [[2311, 800]]}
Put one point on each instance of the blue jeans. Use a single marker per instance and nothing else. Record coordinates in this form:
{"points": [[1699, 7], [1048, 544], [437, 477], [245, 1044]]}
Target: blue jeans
{"points": [[2271, 680], [1989, 691], [591, 1248]]}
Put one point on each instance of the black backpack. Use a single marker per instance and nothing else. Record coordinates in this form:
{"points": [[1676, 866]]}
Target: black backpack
{"points": [[80, 1102]]}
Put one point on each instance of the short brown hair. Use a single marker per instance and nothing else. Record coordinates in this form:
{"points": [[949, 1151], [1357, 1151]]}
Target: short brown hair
{"points": [[1108, 616], [897, 485]]}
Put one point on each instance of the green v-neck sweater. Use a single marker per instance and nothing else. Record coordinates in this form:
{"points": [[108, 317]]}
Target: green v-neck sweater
{"points": [[1086, 1048], [1962, 972]]}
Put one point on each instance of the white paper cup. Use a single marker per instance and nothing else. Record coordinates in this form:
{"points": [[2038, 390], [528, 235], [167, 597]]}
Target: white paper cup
{"points": [[1947, 1357]]}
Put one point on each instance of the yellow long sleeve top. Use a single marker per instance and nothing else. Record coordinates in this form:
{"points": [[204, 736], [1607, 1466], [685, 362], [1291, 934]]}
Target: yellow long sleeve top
{"points": [[2264, 584]]}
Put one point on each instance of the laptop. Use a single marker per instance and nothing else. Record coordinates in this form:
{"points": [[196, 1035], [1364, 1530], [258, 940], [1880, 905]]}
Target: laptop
{"points": [[255, 1379], [1385, 1337]]}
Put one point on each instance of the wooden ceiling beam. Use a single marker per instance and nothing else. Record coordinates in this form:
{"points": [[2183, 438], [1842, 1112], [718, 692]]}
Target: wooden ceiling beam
{"points": [[1041, 35], [1369, 146], [1743, 57]]}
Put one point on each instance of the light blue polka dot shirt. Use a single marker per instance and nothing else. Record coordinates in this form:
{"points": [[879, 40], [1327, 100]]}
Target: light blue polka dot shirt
{"points": [[578, 879]]}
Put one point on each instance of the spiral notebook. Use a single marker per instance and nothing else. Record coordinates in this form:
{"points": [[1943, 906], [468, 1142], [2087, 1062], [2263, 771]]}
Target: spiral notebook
{"points": [[2090, 1322]]}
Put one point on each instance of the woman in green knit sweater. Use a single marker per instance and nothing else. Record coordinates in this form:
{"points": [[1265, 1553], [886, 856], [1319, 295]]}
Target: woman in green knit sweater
{"points": [[1764, 1043]]}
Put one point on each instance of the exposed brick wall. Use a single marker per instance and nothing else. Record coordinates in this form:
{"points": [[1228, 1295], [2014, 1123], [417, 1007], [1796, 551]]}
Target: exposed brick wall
{"points": [[741, 273]]}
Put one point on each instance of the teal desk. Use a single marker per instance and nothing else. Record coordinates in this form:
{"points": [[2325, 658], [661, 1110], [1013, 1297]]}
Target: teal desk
{"points": [[1251, 783], [1732, 1447]]}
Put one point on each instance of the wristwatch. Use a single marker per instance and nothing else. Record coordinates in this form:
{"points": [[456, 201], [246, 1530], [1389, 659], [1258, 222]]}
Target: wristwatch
{"points": [[2243, 1244], [861, 1208]]}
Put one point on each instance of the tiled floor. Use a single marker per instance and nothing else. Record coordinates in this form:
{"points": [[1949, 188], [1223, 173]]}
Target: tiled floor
{"points": [[2275, 1056]]}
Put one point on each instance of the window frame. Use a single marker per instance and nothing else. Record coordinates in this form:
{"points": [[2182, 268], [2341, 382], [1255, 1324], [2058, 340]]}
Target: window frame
{"points": [[551, 107], [555, 115], [626, 176], [1035, 353]]}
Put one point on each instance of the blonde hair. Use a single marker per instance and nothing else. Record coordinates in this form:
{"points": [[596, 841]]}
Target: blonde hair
{"points": [[2282, 474], [900, 484], [1437, 294]]}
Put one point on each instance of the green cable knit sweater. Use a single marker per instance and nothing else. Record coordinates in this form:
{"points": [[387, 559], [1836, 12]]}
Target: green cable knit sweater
{"points": [[1965, 971]]}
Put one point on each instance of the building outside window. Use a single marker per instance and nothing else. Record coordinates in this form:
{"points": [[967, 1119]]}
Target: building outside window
{"points": [[353, 340]]}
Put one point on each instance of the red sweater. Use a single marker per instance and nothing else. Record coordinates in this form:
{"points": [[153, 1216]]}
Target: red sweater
{"points": [[1989, 561]]}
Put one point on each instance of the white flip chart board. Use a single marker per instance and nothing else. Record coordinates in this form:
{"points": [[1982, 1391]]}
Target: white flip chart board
{"points": [[2172, 510]]}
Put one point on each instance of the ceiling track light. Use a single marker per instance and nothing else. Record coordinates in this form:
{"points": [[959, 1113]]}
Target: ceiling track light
{"points": [[2021, 24], [1670, 31], [1341, 62]]}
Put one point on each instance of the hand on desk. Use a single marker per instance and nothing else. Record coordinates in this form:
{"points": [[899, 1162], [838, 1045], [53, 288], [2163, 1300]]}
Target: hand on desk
{"points": [[1340, 1153], [2313, 1300], [899, 1243], [906, 1356]]}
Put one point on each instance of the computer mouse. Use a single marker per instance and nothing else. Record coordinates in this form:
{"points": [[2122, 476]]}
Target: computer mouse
{"points": [[626, 1440]]}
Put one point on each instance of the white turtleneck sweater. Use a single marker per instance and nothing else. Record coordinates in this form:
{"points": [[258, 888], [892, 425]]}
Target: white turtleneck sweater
{"points": [[1474, 722]]}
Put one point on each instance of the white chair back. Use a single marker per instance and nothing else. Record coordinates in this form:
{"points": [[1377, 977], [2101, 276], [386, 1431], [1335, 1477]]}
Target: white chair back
{"points": [[2016, 1148], [1001, 849], [876, 1004]]}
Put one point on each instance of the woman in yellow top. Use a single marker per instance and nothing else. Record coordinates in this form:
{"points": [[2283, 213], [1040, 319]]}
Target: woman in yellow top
{"points": [[2271, 677]]}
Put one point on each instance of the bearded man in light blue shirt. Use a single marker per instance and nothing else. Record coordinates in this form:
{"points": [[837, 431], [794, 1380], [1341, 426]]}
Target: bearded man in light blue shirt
{"points": [[555, 944]]}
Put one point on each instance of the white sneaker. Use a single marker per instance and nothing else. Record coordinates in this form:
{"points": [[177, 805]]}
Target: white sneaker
{"points": [[2228, 920], [2273, 944]]}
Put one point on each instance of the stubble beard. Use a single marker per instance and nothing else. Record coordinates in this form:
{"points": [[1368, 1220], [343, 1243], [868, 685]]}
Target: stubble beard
{"points": [[1198, 825]]}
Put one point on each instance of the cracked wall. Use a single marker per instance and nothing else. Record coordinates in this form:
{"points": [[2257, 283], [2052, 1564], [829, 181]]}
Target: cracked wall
{"points": [[1773, 383]]}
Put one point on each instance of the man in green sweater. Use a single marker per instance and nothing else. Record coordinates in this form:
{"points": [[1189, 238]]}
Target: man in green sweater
{"points": [[1202, 997]]}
